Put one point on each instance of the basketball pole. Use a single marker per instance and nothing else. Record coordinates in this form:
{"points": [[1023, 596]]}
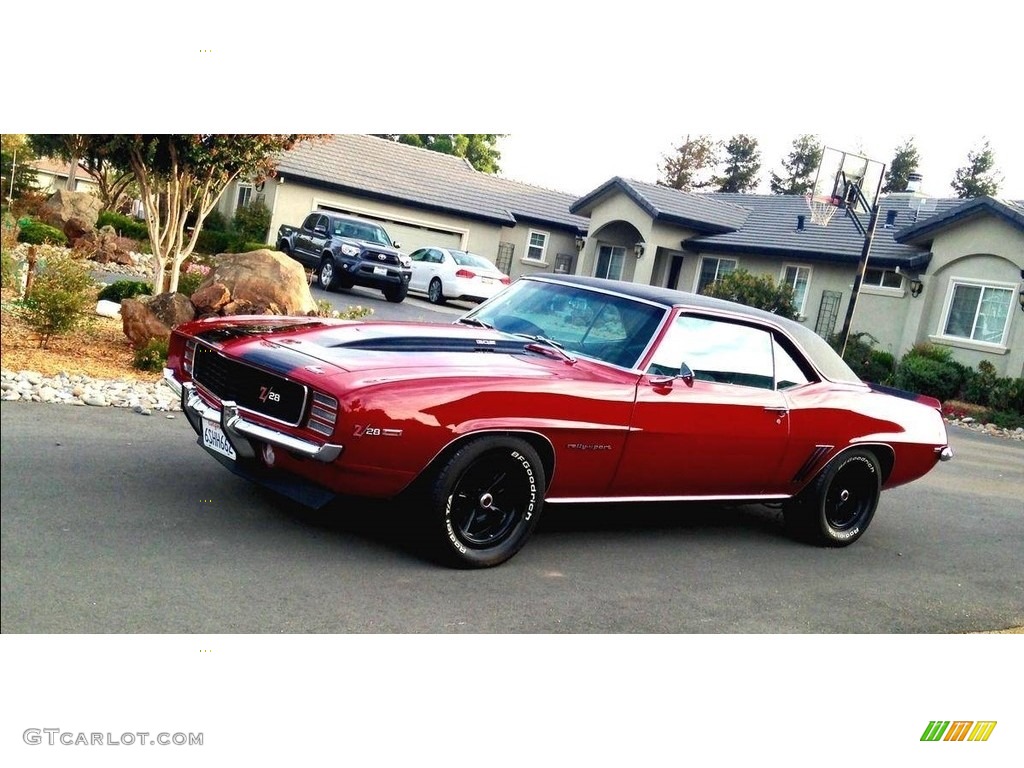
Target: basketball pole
{"points": [[858, 278]]}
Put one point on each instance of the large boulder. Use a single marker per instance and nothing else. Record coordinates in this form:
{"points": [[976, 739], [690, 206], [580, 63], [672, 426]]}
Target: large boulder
{"points": [[257, 282], [104, 245], [73, 213], [153, 317]]}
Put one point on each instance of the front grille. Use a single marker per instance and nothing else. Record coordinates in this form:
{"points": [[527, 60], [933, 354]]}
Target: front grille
{"points": [[375, 258], [251, 388]]}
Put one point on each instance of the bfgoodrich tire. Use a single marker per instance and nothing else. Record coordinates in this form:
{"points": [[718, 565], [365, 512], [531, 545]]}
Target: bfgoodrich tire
{"points": [[838, 507], [485, 501]]}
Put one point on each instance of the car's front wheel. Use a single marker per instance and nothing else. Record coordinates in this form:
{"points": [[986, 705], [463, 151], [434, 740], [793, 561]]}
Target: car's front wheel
{"points": [[838, 507], [396, 295], [435, 292], [486, 500], [326, 278]]}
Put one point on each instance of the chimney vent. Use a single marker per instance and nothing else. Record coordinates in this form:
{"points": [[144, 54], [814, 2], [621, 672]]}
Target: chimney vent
{"points": [[800, 222], [914, 182]]}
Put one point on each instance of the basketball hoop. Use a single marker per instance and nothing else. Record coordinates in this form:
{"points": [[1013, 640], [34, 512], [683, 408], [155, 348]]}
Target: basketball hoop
{"points": [[823, 208]]}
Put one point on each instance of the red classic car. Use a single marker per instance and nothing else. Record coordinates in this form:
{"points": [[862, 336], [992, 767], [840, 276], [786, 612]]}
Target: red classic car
{"points": [[558, 390]]}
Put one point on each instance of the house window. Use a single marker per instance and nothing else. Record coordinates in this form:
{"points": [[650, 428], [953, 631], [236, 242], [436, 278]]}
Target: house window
{"points": [[883, 278], [609, 261], [244, 195], [536, 247], [797, 278], [711, 270], [977, 311]]}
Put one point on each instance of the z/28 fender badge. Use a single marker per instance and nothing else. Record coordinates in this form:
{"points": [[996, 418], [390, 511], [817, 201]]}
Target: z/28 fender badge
{"points": [[368, 431]]}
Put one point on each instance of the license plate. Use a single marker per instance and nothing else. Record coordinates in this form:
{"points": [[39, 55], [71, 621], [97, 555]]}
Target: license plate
{"points": [[215, 439], [380, 270], [487, 280]]}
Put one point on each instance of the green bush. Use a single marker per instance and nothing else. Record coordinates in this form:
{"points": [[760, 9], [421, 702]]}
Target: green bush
{"points": [[35, 232], [253, 246], [212, 242], [928, 376], [125, 226], [1008, 395], [252, 222], [760, 291], [125, 289], [152, 357], [61, 293], [10, 269], [191, 277], [868, 363], [215, 222]]}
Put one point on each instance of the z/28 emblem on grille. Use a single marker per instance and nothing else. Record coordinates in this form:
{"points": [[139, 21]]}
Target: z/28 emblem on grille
{"points": [[268, 393]]}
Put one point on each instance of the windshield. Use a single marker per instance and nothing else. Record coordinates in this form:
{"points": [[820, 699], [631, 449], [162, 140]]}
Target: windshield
{"points": [[370, 233], [614, 329]]}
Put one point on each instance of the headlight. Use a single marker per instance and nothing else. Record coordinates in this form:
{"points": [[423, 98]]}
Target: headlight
{"points": [[350, 250], [404, 260]]}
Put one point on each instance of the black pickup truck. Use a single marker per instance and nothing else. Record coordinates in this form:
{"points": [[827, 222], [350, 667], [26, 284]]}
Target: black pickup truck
{"points": [[347, 251]]}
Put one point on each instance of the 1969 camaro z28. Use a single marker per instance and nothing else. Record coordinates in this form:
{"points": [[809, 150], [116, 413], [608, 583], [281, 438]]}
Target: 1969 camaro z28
{"points": [[557, 390]]}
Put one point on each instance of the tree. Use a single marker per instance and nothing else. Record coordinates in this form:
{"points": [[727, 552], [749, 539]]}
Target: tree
{"points": [[81, 151], [181, 177], [478, 148], [979, 176], [741, 163], [800, 166], [903, 163], [760, 291], [689, 167], [15, 155]]}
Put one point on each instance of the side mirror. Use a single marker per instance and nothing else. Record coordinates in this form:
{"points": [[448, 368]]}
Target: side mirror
{"points": [[396, 244], [686, 374]]}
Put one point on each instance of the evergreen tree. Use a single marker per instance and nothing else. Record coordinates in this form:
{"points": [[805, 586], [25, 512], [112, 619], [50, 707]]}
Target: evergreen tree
{"points": [[799, 165], [478, 148], [688, 169], [978, 177], [740, 165], [903, 163]]}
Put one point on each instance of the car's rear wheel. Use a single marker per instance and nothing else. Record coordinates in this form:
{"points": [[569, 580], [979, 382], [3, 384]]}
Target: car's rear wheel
{"points": [[485, 501], [396, 295], [435, 292], [326, 277], [838, 507]]}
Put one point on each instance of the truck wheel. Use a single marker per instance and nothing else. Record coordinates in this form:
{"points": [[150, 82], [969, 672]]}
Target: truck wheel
{"points": [[435, 293], [282, 246], [838, 506], [326, 278], [396, 295], [486, 501]]}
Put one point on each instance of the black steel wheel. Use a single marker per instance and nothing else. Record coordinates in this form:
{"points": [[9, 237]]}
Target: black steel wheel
{"points": [[396, 295], [838, 507], [327, 276], [435, 292], [486, 501]]}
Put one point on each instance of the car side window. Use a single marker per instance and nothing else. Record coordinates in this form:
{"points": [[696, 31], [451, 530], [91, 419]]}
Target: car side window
{"points": [[310, 221], [436, 257], [718, 351], [419, 255], [788, 372]]}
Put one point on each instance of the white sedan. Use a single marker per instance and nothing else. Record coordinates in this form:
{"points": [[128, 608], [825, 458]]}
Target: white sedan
{"points": [[443, 273]]}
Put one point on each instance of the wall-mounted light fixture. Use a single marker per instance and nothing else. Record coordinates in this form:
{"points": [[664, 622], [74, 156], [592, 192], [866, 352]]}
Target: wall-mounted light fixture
{"points": [[916, 286], [580, 242], [639, 248]]}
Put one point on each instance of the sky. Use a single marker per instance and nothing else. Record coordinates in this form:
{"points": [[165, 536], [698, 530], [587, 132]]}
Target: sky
{"points": [[579, 164]]}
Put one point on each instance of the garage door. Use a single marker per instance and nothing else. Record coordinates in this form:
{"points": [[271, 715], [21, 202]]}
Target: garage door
{"points": [[411, 236]]}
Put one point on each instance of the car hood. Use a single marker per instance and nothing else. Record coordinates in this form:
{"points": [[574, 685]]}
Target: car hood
{"points": [[339, 346]]}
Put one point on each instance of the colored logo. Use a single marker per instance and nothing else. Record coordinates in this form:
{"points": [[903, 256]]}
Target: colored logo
{"points": [[958, 730]]}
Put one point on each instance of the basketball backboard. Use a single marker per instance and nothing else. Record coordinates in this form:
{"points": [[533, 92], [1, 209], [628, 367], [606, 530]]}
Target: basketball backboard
{"points": [[847, 180]]}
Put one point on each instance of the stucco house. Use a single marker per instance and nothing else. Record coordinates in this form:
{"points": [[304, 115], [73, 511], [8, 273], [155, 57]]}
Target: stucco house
{"points": [[52, 175], [948, 271], [422, 198]]}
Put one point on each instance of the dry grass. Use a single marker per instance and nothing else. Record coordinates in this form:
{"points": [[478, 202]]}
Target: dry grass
{"points": [[99, 350]]}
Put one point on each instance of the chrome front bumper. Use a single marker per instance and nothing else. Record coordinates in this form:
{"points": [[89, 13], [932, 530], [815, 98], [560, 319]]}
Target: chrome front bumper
{"points": [[239, 431]]}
